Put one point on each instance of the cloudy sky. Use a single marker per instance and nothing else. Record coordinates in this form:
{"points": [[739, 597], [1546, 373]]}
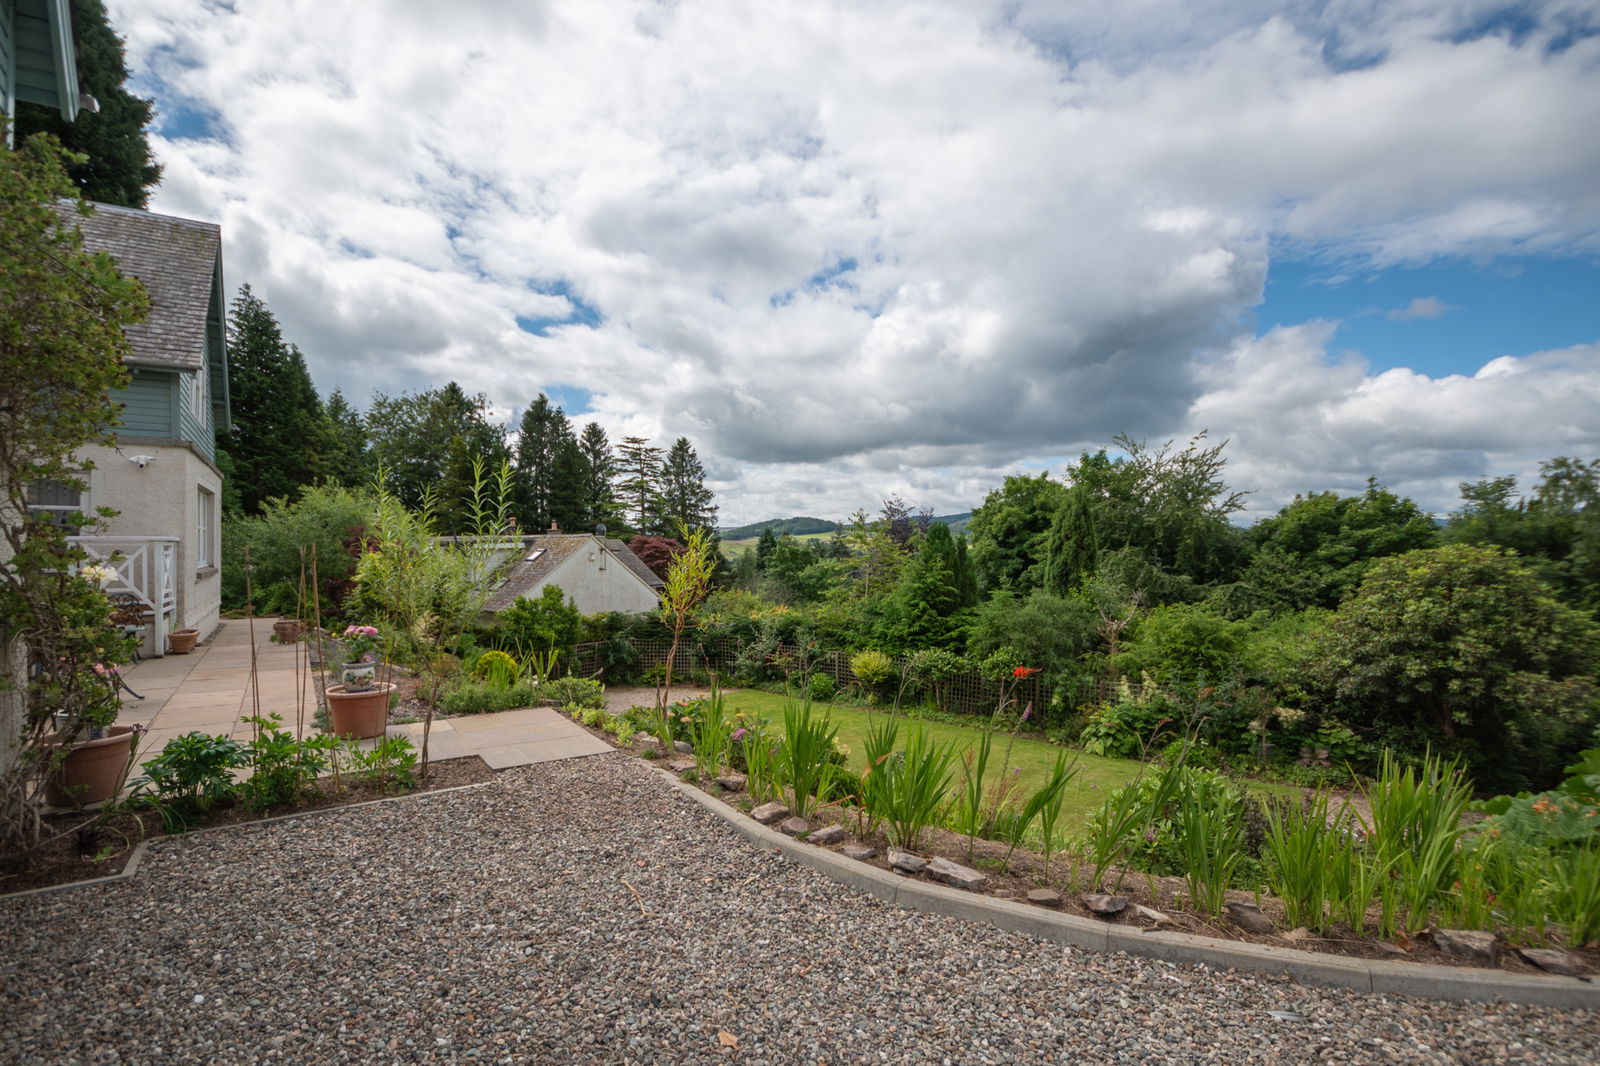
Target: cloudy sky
{"points": [[854, 248]]}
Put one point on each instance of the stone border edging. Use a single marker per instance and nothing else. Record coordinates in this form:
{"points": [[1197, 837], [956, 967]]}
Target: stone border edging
{"points": [[1363, 975], [132, 866]]}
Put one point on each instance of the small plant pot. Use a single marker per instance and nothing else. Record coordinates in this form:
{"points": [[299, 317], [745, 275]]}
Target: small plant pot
{"points": [[287, 630], [93, 770], [182, 641], [359, 677], [359, 714]]}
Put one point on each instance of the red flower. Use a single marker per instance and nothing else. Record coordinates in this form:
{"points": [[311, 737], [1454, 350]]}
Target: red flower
{"points": [[1026, 671]]}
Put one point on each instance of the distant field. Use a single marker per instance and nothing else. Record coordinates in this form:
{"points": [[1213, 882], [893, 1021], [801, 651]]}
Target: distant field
{"points": [[738, 547]]}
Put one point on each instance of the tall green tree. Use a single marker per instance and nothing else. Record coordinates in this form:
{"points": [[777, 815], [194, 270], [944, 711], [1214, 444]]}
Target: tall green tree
{"points": [[1556, 528], [281, 439], [639, 481], [426, 445], [350, 454], [1071, 545], [924, 612], [598, 499], [766, 544], [1317, 548], [686, 502], [1464, 647], [550, 480], [120, 168], [1008, 532]]}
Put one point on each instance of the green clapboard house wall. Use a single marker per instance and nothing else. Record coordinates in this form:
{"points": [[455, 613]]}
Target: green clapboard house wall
{"points": [[38, 63]]}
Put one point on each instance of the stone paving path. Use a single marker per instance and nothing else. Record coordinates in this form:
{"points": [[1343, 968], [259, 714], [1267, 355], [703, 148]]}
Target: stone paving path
{"points": [[210, 690]]}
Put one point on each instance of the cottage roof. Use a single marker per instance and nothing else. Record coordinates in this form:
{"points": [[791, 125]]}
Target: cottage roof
{"points": [[540, 557], [177, 260]]}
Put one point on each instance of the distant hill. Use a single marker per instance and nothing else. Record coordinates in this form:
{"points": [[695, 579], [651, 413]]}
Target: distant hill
{"points": [[956, 522], [799, 526]]}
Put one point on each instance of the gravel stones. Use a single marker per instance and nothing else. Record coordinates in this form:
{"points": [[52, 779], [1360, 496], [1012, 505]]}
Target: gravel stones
{"points": [[906, 862], [828, 834], [583, 912], [953, 873], [859, 852], [768, 813], [1104, 905], [1468, 944]]}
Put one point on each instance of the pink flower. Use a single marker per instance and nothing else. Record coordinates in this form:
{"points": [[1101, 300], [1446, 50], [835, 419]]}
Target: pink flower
{"points": [[738, 734]]}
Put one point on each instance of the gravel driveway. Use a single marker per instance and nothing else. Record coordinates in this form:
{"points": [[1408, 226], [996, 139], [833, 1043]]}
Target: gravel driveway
{"points": [[501, 925]]}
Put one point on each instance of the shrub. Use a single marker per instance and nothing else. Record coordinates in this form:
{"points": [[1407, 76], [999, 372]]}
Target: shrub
{"points": [[871, 668], [821, 687], [549, 623], [569, 692], [497, 668], [465, 696], [193, 774]]}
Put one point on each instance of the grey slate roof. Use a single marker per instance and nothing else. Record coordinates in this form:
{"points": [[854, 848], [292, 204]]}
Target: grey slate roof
{"points": [[522, 576], [176, 259]]}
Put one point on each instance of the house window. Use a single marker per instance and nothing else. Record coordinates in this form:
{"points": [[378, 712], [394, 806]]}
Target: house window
{"points": [[206, 529], [54, 501]]}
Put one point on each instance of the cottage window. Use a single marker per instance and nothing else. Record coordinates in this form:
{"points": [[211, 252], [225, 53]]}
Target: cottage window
{"points": [[55, 502], [206, 528]]}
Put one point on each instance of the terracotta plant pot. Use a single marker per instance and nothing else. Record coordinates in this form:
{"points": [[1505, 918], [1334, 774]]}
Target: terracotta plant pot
{"points": [[182, 641], [359, 714], [93, 770], [287, 630]]}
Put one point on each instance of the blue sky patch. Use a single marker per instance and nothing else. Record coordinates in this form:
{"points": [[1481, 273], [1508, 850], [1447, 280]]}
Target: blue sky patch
{"points": [[582, 314]]}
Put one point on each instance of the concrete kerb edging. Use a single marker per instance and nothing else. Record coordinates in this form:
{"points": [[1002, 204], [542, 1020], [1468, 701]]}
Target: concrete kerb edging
{"points": [[132, 865], [1415, 979]]}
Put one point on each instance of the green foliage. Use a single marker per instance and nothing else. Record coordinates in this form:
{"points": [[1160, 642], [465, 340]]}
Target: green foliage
{"points": [[1464, 646], [496, 668], [923, 612], [1008, 532], [1183, 643], [1416, 827], [638, 482], [549, 623], [572, 692], [684, 501], [1071, 544], [282, 769], [193, 774], [281, 440], [1302, 844], [1054, 633], [933, 669], [1555, 529], [872, 668], [1316, 550], [710, 736], [597, 499], [62, 316], [467, 696], [429, 445], [820, 687], [805, 761], [390, 764], [1126, 820], [329, 517], [115, 164], [913, 786]]}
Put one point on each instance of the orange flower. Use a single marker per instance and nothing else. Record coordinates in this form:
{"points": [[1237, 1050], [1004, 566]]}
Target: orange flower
{"points": [[1026, 671]]}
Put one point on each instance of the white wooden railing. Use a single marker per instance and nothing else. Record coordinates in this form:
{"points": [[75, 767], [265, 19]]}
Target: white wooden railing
{"points": [[144, 566]]}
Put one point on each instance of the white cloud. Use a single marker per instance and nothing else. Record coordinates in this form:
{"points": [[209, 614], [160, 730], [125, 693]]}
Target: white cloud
{"points": [[1420, 307], [866, 247]]}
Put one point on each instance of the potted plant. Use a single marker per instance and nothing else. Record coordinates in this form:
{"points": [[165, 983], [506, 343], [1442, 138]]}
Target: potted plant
{"points": [[83, 755], [360, 706], [360, 644], [287, 630], [182, 641]]}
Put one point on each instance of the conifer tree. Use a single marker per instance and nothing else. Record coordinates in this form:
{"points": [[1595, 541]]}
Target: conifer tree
{"points": [[352, 464], [281, 439], [548, 468], [685, 500], [638, 484], [598, 499]]}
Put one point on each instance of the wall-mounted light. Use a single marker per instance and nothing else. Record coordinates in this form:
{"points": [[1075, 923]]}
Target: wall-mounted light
{"points": [[141, 461]]}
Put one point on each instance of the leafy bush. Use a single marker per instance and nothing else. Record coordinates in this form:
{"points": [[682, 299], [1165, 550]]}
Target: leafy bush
{"points": [[872, 668], [806, 756], [466, 696], [193, 774], [572, 692], [391, 763], [327, 516], [497, 668], [549, 623], [282, 768], [821, 687]]}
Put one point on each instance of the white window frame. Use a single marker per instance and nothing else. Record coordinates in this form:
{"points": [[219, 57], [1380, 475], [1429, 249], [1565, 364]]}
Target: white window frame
{"points": [[206, 528], [57, 511]]}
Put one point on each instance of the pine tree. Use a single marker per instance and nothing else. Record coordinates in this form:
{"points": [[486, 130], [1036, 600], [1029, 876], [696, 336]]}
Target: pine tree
{"points": [[352, 463], [639, 477], [598, 497], [281, 439], [1071, 546], [120, 169], [765, 546], [685, 500], [426, 446], [548, 471]]}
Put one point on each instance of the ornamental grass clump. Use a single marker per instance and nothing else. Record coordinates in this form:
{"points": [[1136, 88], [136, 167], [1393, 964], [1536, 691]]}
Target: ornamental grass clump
{"points": [[804, 761], [915, 786], [1416, 828]]}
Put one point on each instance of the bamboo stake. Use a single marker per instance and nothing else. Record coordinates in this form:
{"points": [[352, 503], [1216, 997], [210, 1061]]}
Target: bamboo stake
{"points": [[250, 621]]}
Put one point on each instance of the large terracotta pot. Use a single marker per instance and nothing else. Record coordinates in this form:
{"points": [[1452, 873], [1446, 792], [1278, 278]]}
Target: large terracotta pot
{"points": [[287, 630], [359, 714], [93, 770], [183, 640]]}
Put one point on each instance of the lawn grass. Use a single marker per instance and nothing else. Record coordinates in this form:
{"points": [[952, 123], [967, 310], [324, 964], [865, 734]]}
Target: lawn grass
{"points": [[1035, 758]]}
